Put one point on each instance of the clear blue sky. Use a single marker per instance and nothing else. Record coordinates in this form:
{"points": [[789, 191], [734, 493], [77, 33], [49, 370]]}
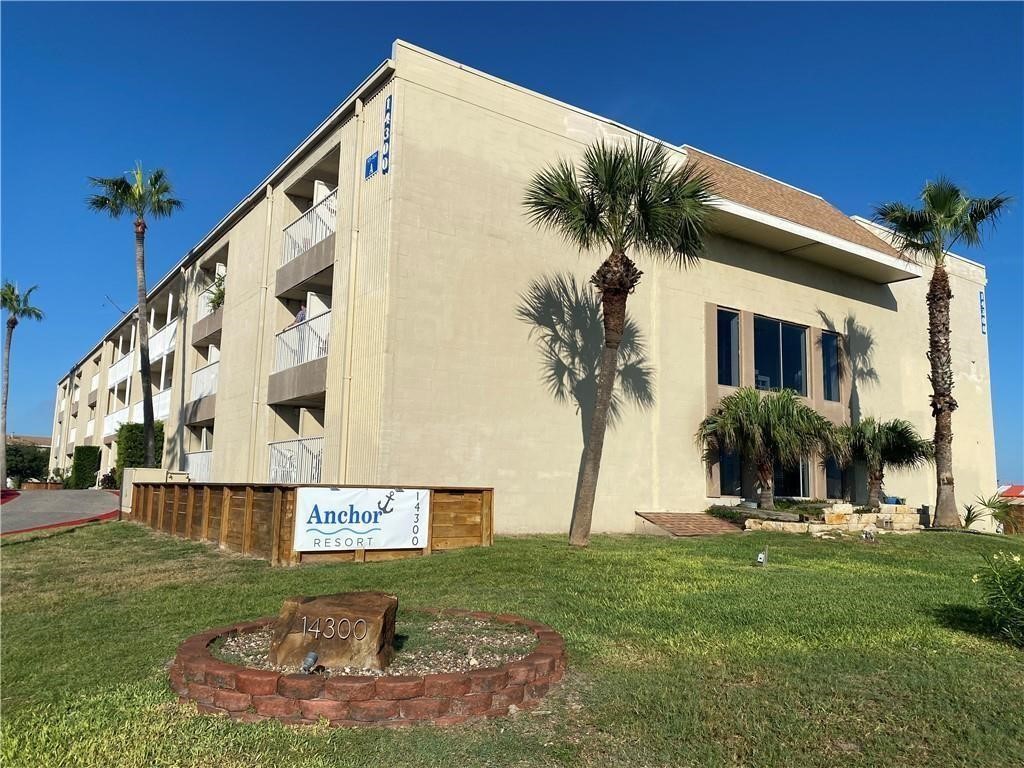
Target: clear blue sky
{"points": [[857, 102]]}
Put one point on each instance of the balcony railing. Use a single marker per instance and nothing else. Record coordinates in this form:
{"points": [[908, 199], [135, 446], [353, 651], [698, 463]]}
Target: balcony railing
{"points": [[162, 342], [90, 428], [297, 461], [72, 434], [120, 370], [76, 396], [94, 382], [161, 407], [204, 381], [312, 227], [114, 420], [203, 307], [199, 465], [303, 342]]}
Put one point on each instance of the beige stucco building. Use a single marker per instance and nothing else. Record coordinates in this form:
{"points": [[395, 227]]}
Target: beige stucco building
{"points": [[398, 224]]}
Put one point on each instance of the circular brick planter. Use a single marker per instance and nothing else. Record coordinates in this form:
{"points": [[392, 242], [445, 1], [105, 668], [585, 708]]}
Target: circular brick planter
{"points": [[249, 695]]}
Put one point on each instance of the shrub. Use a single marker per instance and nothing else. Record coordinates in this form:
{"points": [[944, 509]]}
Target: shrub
{"points": [[84, 466], [217, 293], [1002, 584], [108, 481], [26, 462], [131, 448], [732, 514]]}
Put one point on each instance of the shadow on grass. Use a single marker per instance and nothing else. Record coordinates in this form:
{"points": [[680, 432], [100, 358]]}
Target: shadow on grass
{"points": [[51, 533], [967, 618]]}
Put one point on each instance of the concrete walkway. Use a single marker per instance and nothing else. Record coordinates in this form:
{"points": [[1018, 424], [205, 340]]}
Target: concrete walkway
{"points": [[49, 509]]}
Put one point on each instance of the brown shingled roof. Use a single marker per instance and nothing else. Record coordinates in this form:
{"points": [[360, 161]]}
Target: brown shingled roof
{"points": [[754, 190]]}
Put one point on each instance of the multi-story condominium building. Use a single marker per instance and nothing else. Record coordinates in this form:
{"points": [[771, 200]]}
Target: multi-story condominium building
{"points": [[377, 326]]}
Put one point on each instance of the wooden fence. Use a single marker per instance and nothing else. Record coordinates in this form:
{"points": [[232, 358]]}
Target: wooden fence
{"points": [[259, 520], [39, 485]]}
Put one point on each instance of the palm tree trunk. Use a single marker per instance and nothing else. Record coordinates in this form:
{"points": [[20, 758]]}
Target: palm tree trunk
{"points": [[613, 304], [766, 491], [875, 477], [943, 403], [148, 433], [3, 407]]}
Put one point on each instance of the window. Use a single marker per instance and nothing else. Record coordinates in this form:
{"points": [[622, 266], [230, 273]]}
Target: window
{"points": [[780, 355], [830, 365], [792, 481], [728, 348], [730, 475], [833, 479]]}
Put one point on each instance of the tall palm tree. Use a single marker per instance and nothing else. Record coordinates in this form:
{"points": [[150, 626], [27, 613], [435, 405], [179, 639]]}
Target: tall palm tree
{"points": [[946, 216], [883, 445], [625, 199], [767, 429], [18, 307], [141, 196]]}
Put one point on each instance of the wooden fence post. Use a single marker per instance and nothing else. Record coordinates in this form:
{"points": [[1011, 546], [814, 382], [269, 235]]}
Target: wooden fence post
{"points": [[247, 521], [207, 494], [190, 508], [225, 515], [174, 511], [275, 528]]}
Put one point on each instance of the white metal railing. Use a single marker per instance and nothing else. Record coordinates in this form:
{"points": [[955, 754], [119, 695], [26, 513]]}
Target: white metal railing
{"points": [[312, 227], [94, 382], [120, 370], [72, 434], [114, 420], [203, 307], [297, 461], [162, 342], [161, 407], [90, 428], [303, 342], [199, 465], [204, 381]]}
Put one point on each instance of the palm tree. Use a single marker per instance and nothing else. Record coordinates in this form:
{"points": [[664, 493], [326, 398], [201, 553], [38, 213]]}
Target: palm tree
{"points": [[883, 445], [141, 196], [767, 429], [946, 216], [624, 199], [18, 307]]}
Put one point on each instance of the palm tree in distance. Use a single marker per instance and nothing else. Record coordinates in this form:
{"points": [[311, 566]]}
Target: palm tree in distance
{"points": [[946, 216], [893, 444], [141, 196], [625, 199], [767, 429], [18, 307]]}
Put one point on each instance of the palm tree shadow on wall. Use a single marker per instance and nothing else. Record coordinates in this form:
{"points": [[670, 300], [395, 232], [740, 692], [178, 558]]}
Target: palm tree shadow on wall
{"points": [[856, 353], [566, 324]]}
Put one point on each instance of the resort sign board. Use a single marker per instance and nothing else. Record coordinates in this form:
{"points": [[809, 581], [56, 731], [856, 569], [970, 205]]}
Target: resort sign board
{"points": [[332, 519]]}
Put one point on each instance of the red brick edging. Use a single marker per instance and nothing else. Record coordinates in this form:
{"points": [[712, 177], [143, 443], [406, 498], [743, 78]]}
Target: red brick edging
{"points": [[250, 695]]}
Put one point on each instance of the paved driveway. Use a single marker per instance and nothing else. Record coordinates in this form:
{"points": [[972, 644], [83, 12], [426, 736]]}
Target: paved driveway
{"points": [[39, 509]]}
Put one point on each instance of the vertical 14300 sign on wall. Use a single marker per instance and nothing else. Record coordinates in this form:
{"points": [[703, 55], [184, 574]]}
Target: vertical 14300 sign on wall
{"points": [[361, 518]]}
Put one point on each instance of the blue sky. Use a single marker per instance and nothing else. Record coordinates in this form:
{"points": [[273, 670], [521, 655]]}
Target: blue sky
{"points": [[856, 102]]}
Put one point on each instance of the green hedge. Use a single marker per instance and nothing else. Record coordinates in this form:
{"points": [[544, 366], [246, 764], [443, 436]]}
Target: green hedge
{"points": [[131, 448], [84, 466]]}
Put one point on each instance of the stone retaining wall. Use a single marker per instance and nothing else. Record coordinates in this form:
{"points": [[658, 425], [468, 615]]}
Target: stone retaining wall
{"points": [[250, 695], [840, 518]]}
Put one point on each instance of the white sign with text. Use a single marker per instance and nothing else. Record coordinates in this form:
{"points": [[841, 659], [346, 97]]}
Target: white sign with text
{"points": [[328, 519]]}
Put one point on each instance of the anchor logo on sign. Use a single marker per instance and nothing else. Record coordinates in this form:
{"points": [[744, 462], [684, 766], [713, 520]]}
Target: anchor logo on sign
{"points": [[385, 508]]}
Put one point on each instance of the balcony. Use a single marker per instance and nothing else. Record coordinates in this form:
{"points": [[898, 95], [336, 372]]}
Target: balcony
{"points": [[307, 250], [113, 421], [90, 428], [209, 321], [161, 407], [120, 370], [297, 461], [94, 386], [300, 363], [161, 343], [199, 465], [72, 436], [203, 401]]}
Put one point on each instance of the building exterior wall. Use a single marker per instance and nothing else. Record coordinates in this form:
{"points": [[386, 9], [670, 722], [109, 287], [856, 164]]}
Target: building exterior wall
{"points": [[432, 375]]}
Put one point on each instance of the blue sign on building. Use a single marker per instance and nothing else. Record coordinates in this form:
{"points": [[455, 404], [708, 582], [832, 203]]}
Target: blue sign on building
{"points": [[984, 319], [371, 165]]}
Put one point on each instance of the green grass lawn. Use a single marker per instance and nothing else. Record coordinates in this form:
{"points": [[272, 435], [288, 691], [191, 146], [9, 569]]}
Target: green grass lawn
{"points": [[681, 653]]}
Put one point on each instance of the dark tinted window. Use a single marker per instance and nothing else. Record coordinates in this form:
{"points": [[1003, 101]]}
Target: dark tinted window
{"points": [[830, 365], [767, 357], [728, 348], [794, 358], [730, 474], [792, 481], [833, 479]]}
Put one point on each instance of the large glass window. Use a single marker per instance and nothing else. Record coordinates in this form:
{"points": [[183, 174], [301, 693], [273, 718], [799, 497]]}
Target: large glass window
{"points": [[780, 355], [728, 347], [730, 474], [792, 481], [830, 365]]}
